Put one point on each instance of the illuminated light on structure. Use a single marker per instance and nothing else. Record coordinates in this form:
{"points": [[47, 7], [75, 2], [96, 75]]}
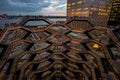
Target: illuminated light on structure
{"points": [[96, 46]]}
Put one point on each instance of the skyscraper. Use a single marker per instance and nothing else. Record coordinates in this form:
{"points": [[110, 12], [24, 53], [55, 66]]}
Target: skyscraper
{"points": [[95, 10], [115, 13]]}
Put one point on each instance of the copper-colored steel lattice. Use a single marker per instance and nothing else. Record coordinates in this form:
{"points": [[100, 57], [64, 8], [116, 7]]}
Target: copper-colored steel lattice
{"points": [[73, 51]]}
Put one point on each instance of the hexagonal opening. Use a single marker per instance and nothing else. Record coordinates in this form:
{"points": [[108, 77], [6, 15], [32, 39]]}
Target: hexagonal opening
{"points": [[100, 36], [79, 24], [36, 23], [78, 36], [14, 35]]}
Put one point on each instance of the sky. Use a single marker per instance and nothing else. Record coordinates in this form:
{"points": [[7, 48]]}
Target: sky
{"points": [[33, 7]]}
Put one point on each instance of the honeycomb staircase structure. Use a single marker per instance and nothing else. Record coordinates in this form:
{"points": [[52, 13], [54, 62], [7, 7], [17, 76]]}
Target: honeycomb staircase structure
{"points": [[76, 50]]}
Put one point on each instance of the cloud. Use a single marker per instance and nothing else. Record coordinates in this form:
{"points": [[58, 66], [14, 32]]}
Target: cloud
{"points": [[35, 7]]}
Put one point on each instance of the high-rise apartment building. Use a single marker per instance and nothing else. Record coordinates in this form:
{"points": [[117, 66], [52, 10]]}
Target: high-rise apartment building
{"points": [[115, 13], [95, 10]]}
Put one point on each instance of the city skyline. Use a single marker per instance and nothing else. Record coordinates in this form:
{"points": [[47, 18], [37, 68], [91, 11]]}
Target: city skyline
{"points": [[33, 7]]}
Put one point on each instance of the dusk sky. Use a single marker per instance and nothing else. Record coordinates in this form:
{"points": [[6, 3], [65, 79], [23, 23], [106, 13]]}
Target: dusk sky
{"points": [[33, 7]]}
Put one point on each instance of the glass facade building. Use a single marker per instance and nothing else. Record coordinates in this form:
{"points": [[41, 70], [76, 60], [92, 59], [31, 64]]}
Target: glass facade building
{"points": [[95, 10], [115, 13]]}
